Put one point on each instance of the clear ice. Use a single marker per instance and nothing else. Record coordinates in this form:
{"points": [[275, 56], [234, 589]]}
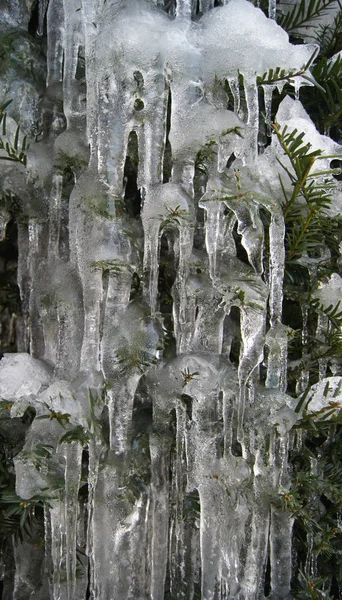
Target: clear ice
{"points": [[182, 449]]}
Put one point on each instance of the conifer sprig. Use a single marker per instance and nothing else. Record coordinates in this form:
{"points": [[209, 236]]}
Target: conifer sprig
{"points": [[16, 152], [303, 14]]}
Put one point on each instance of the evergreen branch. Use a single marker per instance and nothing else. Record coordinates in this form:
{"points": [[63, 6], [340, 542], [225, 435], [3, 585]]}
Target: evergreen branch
{"points": [[77, 434], [204, 156], [302, 15], [303, 237], [333, 313], [305, 184], [299, 187], [326, 69], [273, 76], [15, 152], [329, 37]]}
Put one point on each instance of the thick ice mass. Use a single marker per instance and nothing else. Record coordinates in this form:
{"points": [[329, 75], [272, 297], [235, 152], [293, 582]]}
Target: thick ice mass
{"points": [[151, 266]]}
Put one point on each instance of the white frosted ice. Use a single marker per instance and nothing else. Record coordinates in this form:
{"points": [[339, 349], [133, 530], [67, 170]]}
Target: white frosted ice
{"points": [[324, 394], [22, 376], [329, 292], [151, 271]]}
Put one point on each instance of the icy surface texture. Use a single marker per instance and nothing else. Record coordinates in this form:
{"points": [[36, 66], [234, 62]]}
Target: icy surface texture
{"points": [[151, 265]]}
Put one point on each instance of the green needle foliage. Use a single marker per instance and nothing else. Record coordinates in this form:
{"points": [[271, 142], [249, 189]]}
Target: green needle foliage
{"points": [[61, 418], [278, 75], [304, 14], [310, 198], [315, 500], [316, 491], [77, 434], [20, 514], [16, 152]]}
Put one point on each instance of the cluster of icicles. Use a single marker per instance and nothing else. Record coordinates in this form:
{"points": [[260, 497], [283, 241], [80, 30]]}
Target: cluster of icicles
{"points": [[182, 490]]}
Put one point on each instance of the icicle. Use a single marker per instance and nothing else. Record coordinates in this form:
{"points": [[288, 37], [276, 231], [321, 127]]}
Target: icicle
{"points": [[229, 399], [42, 8], [186, 234], [250, 228], [24, 288], [213, 234], [277, 265], [177, 539], [73, 41], [151, 266], [272, 9], [268, 94], [159, 450], [55, 216], [219, 239], [322, 326], [277, 341], [310, 568], [280, 552], [251, 354], [252, 579], [251, 93], [210, 550], [34, 239], [235, 90], [34, 231], [206, 5], [73, 464], [277, 336], [297, 84], [152, 134], [55, 37], [184, 8], [120, 409], [303, 380], [57, 521], [93, 468]]}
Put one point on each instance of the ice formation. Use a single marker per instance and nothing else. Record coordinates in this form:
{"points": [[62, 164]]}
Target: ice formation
{"points": [[173, 483]]}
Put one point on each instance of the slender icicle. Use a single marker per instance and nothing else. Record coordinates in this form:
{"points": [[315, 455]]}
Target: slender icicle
{"points": [[186, 235], [277, 265], [281, 552], [303, 380], [93, 468], [206, 5], [213, 234], [55, 48], [73, 41], [268, 94], [55, 216], [251, 93], [322, 326], [184, 8], [25, 286], [57, 520], [42, 8], [235, 90], [272, 9], [34, 248], [177, 539], [120, 409], [159, 450], [277, 336], [73, 464]]}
